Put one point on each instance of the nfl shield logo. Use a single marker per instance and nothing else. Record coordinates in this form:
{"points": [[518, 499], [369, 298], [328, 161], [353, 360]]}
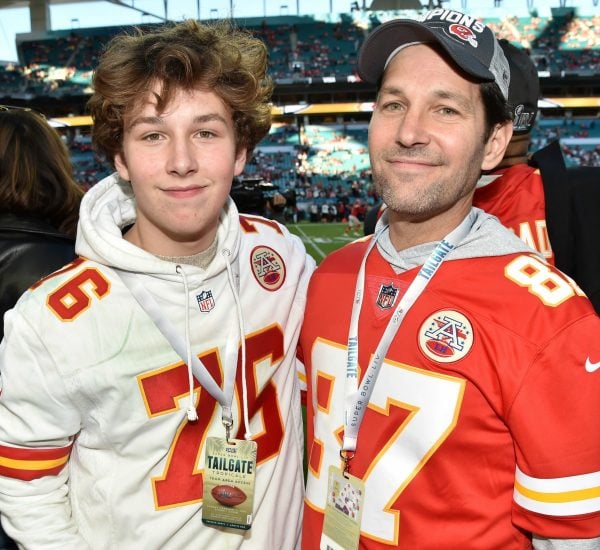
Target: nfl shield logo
{"points": [[387, 296], [205, 301]]}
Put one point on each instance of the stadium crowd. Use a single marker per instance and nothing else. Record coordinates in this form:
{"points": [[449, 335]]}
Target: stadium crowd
{"points": [[321, 162], [307, 48]]}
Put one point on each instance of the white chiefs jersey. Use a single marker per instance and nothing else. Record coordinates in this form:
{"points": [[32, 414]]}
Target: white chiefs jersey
{"points": [[96, 449]]}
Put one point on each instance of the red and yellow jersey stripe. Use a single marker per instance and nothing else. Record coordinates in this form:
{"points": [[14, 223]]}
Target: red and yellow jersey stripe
{"points": [[28, 464]]}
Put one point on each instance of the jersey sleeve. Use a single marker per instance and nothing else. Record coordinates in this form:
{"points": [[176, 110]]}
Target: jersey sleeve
{"points": [[554, 421], [38, 424]]}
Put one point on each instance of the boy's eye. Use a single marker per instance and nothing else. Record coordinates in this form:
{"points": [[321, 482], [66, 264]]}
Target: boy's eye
{"points": [[151, 137]]}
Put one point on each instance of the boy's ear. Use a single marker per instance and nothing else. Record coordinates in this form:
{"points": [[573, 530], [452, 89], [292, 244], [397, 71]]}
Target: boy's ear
{"points": [[240, 161], [121, 166]]}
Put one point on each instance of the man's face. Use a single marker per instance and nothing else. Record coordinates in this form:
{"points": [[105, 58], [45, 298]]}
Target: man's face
{"points": [[180, 163], [426, 137]]}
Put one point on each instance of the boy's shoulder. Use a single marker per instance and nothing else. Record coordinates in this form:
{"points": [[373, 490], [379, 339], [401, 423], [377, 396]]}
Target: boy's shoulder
{"points": [[260, 231], [75, 314], [69, 285]]}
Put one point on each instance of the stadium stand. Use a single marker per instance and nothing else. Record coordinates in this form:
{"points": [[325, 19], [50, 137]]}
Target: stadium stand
{"points": [[322, 154], [303, 47]]}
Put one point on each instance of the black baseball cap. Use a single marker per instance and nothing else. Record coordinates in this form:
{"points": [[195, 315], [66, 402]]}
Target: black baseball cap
{"points": [[469, 43], [524, 89]]}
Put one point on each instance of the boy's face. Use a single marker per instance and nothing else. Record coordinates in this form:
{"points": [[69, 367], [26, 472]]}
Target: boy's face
{"points": [[180, 164]]}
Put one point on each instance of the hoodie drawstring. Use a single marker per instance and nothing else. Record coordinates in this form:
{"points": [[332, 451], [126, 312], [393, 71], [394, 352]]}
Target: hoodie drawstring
{"points": [[183, 347], [191, 409], [238, 306]]}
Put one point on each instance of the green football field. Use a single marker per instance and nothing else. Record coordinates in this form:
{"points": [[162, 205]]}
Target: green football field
{"points": [[321, 238]]}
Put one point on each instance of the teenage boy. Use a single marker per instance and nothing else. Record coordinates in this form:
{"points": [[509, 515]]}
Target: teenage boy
{"points": [[149, 396]]}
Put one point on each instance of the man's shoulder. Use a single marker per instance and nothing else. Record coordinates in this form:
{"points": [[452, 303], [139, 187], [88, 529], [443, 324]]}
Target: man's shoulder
{"points": [[517, 290], [521, 169], [346, 258], [515, 177]]}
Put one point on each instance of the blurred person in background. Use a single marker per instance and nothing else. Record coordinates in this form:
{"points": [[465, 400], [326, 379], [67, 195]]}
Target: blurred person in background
{"points": [[514, 190], [354, 222], [39, 205], [549, 206]]}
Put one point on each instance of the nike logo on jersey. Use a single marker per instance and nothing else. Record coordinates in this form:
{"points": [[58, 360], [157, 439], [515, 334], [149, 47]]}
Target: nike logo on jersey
{"points": [[591, 367]]}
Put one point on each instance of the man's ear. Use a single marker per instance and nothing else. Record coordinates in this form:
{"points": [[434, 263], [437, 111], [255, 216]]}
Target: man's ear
{"points": [[121, 166], [496, 145]]}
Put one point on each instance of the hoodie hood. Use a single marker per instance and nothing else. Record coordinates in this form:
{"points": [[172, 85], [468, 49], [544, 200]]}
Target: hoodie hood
{"points": [[487, 237], [109, 207]]}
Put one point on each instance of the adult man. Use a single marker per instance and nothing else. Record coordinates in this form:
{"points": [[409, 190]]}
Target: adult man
{"points": [[514, 191], [153, 378], [452, 373]]}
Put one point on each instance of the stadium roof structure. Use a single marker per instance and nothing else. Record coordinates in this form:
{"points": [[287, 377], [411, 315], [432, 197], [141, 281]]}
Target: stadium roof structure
{"points": [[39, 10]]}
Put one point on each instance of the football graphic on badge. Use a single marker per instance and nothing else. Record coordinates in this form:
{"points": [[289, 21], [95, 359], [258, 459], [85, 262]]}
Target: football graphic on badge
{"points": [[446, 336], [268, 267], [228, 495]]}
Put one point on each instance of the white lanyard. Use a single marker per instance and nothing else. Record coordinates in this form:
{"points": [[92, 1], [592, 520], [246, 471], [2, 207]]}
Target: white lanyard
{"points": [[357, 398], [149, 305]]}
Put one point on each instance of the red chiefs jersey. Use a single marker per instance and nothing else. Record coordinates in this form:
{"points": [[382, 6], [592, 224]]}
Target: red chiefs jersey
{"points": [[516, 198], [483, 424]]}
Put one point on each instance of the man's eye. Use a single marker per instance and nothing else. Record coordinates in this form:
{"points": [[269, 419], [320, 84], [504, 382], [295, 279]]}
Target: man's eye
{"points": [[392, 106], [448, 111]]}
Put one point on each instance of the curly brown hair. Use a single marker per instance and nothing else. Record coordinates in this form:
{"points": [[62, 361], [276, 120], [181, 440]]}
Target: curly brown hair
{"points": [[190, 55], [36, 174]]}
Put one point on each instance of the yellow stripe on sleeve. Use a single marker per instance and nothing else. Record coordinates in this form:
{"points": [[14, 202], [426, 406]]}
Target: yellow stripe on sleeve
{"points": [[32, 464]]}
